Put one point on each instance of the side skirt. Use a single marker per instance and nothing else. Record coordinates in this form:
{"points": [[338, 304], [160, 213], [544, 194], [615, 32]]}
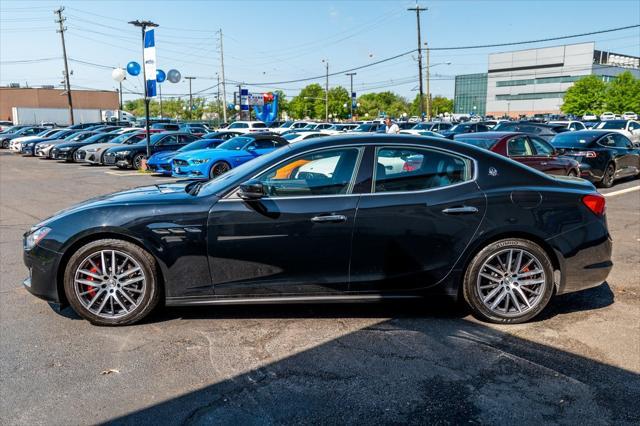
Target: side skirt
{"points": [[364, 298]]}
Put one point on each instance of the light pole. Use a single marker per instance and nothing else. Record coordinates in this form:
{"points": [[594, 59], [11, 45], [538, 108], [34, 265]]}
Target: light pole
{"points": [[428, 68], [326, 91], [351, 97], [190, 96], [143, 26]]}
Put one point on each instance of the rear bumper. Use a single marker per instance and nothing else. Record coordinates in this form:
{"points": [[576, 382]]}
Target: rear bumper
{"points": [[584, 255], [43, 267], [588, 172]]}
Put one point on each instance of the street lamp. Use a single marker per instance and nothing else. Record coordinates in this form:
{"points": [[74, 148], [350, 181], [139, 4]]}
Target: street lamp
{"points": [[143, 26]]}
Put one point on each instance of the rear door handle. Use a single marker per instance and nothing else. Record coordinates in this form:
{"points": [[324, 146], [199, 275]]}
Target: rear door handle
{"points": [[460, 210], [333, 218], [543, 163]]}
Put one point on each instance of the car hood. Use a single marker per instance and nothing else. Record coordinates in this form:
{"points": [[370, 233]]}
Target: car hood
{"points": [[100, 145], [160, 194], [208, 153], [162, 156]]}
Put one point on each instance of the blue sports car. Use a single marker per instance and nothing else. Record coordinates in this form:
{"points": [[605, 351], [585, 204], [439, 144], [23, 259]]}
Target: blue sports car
{"points": [[210, 163], [160, 162]]}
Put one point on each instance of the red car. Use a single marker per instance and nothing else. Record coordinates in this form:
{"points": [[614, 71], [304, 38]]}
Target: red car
{"points": [[525, 148]]}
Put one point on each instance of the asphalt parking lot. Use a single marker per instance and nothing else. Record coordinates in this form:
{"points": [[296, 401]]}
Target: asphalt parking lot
{"points": [[353, 363]]}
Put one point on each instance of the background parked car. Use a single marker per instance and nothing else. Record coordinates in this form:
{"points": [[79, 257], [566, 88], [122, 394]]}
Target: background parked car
{"points": [[160, 162], [607, 116], [464, 128], [20, 132], [604, 155], [94, 153], [222, 134], [570, 125], [164, 127], [629, 128], [16, 143], [629, 115], [544, 131], [4, 125], [247, 126], [210, 163], [303, 135], [43, 149], [526, 149], [27, 147], [131, 156], [66, 151], [436, 126]]}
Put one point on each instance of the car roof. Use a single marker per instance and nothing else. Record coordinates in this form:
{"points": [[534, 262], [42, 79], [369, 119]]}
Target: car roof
{"points": [[488, 135]]}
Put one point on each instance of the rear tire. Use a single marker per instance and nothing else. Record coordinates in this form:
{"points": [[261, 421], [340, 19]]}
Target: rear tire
{"points": [[110, 296], [608, 176], [510, 281]]}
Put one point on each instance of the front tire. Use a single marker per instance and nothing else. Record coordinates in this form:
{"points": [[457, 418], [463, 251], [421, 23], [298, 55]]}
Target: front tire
{"points": [[137, 161], [510, 281], [111, 282], [218, 168]]}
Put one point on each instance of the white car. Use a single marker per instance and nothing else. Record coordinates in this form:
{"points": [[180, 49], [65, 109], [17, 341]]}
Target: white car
{"points": [[589, 117], [317, 126], [301, 136], [128, 130], [607, 116], [421, 133], [16, 144], [629, 128], [248, 126], [629, 115], [569, 124]]}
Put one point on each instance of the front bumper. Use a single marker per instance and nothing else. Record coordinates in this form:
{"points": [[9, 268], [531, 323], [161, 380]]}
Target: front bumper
{"points": [[584, 255], [163, 168], [190, 171], [43, 266], [62, 155]]}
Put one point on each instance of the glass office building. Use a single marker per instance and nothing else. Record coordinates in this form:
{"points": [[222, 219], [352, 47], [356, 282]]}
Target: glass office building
{"points": [[470, 94]]}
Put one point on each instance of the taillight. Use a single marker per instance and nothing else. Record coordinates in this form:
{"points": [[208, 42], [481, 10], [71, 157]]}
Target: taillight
{"points": [[588, 154], [595, 203]]}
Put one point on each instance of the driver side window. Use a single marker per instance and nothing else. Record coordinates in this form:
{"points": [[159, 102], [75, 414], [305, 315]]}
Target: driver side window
{"points": [[328, 172]]}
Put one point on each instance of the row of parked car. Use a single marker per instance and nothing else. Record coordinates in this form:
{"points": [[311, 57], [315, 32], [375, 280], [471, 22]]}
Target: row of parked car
{"points": [[608, 151]]}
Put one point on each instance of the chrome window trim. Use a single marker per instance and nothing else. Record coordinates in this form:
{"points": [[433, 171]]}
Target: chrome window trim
{"points": [[474, 162], [360, 148], [373, 175]]}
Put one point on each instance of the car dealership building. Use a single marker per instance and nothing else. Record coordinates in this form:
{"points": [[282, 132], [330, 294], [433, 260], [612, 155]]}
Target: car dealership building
{"points": [[534, 81]]}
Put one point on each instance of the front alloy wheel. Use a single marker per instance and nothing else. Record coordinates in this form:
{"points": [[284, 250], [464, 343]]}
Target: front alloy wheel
{"points": [[111, 282], [509, 281], [219, 168], [137, 161]]}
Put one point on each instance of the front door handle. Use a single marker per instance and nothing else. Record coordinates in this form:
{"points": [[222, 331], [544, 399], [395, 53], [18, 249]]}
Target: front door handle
{"points": [[333, 218], [460, 210], [543, 163]]}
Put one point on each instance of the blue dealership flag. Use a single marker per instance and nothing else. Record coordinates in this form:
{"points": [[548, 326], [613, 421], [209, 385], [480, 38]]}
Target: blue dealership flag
{"points": [[149, 57]]}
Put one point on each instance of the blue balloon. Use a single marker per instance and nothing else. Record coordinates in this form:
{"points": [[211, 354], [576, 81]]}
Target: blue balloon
{"points": [[160, 76], [133, 68]]}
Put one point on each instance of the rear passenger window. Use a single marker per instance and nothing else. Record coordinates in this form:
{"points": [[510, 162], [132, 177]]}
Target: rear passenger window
{"points": [[519, 147], [415, 169]]}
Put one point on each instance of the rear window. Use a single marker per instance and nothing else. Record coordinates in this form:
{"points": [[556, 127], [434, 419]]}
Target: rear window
{"points": [[479, 142], [259, 125], [574, 140]]}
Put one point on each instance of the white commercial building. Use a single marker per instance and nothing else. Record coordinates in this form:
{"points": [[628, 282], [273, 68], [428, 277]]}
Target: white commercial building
{"points": [[534, 81]]}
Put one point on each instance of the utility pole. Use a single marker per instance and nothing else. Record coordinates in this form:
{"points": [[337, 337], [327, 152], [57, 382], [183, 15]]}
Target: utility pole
{"points": [[326, 92], [218, 98], [120, 109], [419, 9], [351, 99], [239, 103], [190, 96], [160, 95], [67, 83], [428, 91], [143, 26], [224, 88]]}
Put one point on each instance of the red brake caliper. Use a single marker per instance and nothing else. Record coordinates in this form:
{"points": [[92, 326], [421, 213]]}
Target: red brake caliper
{"points": [[92, 290]]}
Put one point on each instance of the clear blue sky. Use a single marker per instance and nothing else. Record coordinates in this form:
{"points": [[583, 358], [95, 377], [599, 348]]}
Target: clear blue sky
{"points": [[272, 41]]}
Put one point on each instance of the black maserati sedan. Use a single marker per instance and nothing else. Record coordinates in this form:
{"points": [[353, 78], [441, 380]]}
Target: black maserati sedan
{"points": [[344, 218], [604, 155]]}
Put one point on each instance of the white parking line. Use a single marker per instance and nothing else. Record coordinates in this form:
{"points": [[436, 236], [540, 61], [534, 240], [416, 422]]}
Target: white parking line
{"points": [[114, 173], [622, 191]]}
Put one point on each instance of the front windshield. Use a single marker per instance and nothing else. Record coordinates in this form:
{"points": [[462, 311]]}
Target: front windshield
{"points": [[460, 127], [203, 143], [236, 175], [612, 124], [121, 138], [485, 143], [235, 144]]}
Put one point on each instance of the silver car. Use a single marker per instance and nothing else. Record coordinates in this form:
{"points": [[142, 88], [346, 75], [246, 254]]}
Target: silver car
{"points": [[94, 154]]}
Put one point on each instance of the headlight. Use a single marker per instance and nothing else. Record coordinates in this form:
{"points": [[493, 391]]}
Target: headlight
{"points": [[44, 145], [34, 237], [64, 149], [122, 152], [200, 161]]}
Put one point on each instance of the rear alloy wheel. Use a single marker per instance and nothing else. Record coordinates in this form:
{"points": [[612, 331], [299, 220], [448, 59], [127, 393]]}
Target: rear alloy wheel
{"points": [[137, 161], [111, 282], [509, 281], [219, 168], [608, 177]]}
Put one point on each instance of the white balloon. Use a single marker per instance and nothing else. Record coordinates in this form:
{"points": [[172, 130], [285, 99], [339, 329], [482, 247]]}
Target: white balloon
{"points": [[118, 74]]}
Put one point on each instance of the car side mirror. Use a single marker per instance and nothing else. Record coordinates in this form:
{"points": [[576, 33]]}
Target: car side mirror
{"points": [[251, 149], [251, 190]]}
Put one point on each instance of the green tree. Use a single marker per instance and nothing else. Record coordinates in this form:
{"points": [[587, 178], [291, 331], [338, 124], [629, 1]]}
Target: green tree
{"points": [[338, 98], [387, 103], [309, 103], [586, 95], [623, 94], [439, 105]]}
